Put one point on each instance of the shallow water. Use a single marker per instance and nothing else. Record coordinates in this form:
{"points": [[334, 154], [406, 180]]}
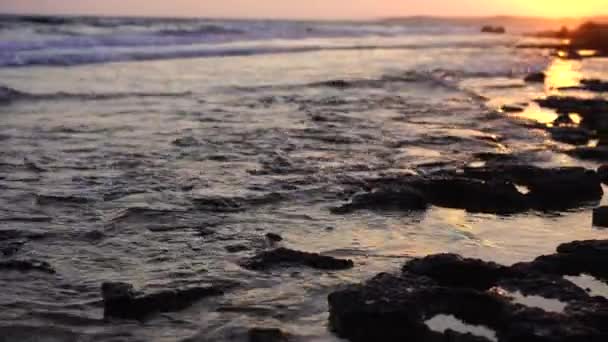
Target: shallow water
{"points": [[106, 168]]}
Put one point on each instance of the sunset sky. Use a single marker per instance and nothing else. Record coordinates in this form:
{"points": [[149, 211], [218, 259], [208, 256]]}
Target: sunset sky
{"points": [[320, 9]]}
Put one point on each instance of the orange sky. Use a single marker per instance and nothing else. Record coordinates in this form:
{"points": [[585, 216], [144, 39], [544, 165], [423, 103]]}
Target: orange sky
{"points": [[323, 9]]}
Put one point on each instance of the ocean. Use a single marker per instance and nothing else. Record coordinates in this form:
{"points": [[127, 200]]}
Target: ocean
{"points": [[159, 152]]}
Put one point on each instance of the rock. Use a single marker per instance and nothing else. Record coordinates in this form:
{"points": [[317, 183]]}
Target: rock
{"points": [[549, 189], [493, 29], [536, 77], [571, 135], [511, 109], [340, 84], [121, 300], [574, 258], [563, 120], [267, 335], [395, 307], [600, 217], [599, 153], [602, 173], [186, 142], [288, 257], [592, 111], [274, 238], [236, 248], [594, 85], [590, 36], [473, 195], [454, 271], [402, 198], [27, 266]]}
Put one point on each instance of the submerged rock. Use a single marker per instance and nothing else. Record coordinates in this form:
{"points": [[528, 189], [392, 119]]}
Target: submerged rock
{"points": [[121, 300], [289, 257], [395, 307]]}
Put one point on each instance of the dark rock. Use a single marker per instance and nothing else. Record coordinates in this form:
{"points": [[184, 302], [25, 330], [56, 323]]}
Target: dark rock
{"points": [[493, 29], [340, 84], [454, 271], [602, 173], [402, 198], [186, 142], [511, 109], [549, 189], [486, 196], [121, 300], [218, 204], [536, 77], [26, 266], [571, 135], [599, 153], [395, 307], [267, 335], [574, 258], [288, 257], [590, 36], [11, 248], [594, 85], [237, 248], [600, 217], [273, 237], [563, 120]]}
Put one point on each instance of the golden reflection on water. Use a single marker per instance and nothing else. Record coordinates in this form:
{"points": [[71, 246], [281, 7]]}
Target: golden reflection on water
{"points": [[563, 73]]}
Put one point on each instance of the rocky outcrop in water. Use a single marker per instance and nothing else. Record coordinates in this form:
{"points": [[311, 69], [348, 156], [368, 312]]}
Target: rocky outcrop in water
{"points": [[395, 307], [288, 257], [122, 301], [488, 190]]}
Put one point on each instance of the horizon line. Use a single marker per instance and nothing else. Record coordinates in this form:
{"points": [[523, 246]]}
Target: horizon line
{"points": [[286, 18]]}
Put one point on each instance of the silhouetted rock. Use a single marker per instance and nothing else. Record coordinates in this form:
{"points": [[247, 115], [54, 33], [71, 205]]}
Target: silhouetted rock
{"points": [[395, 307], [288, 257], [594, 85], [599, 153], [396, 198], [590, 36], [121, 300], [455, 271], [27, 266], [574, 258], [571, 135], [273, 237], [536, 77], [267, 335], [511, 109], [493, 29], [236, 248], [602, 173], [600, 217]]}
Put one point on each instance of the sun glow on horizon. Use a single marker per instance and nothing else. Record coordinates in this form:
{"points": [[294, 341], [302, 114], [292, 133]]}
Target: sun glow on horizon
{"points": [[562, 8]]}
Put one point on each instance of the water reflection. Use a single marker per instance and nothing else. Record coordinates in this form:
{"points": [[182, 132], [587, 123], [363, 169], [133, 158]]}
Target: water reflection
{"points": [[563, 73]]}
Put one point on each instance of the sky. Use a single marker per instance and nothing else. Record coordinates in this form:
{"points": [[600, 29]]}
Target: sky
{"points": [[309, 9]]}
